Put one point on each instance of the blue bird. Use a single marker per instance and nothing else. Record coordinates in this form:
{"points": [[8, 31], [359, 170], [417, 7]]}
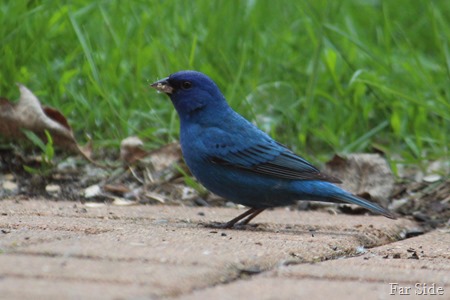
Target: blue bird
{"points": [[234, 159]]}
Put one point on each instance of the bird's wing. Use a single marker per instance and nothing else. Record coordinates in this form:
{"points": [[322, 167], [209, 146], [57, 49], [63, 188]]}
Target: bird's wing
{"points": [[263, 156]]}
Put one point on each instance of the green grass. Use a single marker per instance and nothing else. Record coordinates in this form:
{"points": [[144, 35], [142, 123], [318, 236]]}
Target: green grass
{"points": [[320, 76]]}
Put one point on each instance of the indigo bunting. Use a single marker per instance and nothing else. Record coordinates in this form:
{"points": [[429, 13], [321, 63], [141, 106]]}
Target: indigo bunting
{"points": [[234, 159]]}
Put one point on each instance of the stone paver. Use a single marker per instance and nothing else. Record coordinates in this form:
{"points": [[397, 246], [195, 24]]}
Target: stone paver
{"points": [[385, 272], [67, 250]]}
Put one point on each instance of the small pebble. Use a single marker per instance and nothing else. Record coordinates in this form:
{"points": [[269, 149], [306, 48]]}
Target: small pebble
{"points": [[432, 178], [53, 188]]}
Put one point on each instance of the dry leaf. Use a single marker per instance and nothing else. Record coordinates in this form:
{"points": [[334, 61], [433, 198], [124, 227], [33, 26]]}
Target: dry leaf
{"points": [[131, 150], [150, 177], [28, 114], [366, 175], [118, 188], [155, 196], [165, 157]]}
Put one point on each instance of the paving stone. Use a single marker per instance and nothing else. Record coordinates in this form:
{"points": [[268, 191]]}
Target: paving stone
{"points": [[374, 275], [61, 249]]}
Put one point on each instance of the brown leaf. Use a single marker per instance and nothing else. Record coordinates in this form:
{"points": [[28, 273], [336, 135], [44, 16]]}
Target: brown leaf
{"points": [[119, 188], [366, 175], [165, 156], [131, 150], [28, 114]]}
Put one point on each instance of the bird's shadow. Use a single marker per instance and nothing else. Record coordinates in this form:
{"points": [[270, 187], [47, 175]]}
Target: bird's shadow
{"points": [[284, 229]]}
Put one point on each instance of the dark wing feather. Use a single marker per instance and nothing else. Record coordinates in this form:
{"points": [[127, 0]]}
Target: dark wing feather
{"points": [[272, 159]]}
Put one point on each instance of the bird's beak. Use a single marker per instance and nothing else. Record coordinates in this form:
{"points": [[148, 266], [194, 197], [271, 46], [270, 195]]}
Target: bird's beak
{"points": [[163, 86]]}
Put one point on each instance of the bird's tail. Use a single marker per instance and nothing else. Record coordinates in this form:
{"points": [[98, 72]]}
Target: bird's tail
{"points": [[349, 198]]}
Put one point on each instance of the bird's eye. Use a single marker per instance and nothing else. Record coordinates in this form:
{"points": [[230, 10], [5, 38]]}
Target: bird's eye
{"points": [[186, 85]]}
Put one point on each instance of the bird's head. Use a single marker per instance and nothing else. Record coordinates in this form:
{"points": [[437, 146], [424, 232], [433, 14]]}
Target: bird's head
{"points": [[191, 92]]}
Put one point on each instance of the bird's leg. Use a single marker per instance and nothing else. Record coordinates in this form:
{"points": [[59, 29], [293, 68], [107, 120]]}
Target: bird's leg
{"points": [[251, 216], [250, 212]]}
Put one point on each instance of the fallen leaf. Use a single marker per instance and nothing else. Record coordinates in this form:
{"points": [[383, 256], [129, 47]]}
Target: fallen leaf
{"points": [[155, 196], [165, 157], [131, 150], [116, 188], [366, 175], [28, 114], [162, 164]]}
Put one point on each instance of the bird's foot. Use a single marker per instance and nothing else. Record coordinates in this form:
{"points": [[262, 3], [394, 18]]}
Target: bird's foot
{"points": [[240, 222]]}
